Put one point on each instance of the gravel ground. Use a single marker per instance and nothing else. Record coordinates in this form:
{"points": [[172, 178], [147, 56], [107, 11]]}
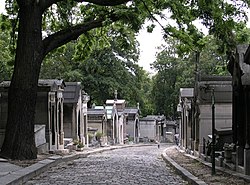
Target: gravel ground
{"points": [[202, 171], [128, 166], [194, 166]]}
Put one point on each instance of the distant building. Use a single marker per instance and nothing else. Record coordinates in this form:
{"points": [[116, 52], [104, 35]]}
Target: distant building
{"points": [[152, 127], [116, 120], [132, 128]]}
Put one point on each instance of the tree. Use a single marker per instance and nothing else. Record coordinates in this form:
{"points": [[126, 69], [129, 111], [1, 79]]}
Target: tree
{"points": [[111, 65], [223, 19], [170, 69], [68, 19], [177, 71], [32, 46], [6, 56], [220, 17]]}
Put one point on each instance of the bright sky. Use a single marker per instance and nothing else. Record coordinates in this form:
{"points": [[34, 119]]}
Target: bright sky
{"points": [[148, 43], [2, 4]]}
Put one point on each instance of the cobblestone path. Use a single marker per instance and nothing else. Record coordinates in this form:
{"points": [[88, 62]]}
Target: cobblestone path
{"points": [[134, 165]]}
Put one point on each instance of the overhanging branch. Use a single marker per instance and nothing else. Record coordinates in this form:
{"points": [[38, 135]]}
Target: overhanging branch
{"points": [[153, 17], [47, 3], [105, 2], [64, 36]]}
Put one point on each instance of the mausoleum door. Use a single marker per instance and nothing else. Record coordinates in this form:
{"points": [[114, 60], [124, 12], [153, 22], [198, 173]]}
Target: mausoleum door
{"points": [[136, 130], [79, 130], [85, 128], [53, 127], [121, 134], [115, 129]]}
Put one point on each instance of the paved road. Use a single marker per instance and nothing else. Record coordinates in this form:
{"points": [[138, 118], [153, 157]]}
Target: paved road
{"points": [[128, 166]]}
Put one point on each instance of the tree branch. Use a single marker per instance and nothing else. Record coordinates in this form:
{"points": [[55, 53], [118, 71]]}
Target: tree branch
{"points": [[64, 36], [47, 3], [153, 17], [105, 2]]}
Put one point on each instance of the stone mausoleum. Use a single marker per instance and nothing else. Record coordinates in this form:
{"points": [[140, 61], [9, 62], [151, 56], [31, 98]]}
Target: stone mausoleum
{"points": [[49, 133]]}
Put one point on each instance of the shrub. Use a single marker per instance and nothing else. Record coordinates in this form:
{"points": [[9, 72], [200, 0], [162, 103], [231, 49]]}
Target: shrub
{"points": [[80, 145], [98, 135]]}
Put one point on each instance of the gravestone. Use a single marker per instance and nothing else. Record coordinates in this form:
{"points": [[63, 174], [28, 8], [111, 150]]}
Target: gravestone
{"points": [[40, 140]]}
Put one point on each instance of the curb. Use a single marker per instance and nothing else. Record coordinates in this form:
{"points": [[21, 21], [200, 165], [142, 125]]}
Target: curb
{"points": [[186, 175], [23, 175], [223, 169]]}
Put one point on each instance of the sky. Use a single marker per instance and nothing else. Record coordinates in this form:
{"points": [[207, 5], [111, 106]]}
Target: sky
{"points": [[2, 4], [148, 43], [148, 46]]}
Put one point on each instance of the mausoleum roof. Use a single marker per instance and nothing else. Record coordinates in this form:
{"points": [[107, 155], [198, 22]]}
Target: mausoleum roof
{"points": [[222, 87], [111, 102], [96, 112], [41, 83], [153, 117], [131, 110], [72, 92]]}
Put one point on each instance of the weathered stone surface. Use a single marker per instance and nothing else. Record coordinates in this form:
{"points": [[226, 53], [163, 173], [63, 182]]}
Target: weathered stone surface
{"points": [[137, 165]]}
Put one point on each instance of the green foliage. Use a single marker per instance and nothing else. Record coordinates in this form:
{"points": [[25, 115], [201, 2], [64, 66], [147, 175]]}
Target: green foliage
{"points": [[98, 135], [176, 63], [242, 34], [212, 62], [222, 19], [177, 71], [80, 145], [90, 136], [6, 56], [104, 60]]}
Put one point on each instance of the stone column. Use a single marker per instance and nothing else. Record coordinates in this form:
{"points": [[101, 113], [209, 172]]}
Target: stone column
{"points": [[247, 161], [61, 139], [182, 127], [52, 120], [247, 147], [73, 124], [239, 158]]}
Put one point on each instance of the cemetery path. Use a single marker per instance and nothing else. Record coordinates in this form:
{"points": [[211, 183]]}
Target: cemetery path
{"points": [[126, 166], [129, 162]]}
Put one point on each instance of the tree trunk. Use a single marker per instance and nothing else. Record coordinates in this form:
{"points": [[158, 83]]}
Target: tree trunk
{"points": [[19, 140]]}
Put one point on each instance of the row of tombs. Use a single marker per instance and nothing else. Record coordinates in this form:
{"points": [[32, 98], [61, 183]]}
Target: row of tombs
{"points": [[222, 103], [62, 117]]}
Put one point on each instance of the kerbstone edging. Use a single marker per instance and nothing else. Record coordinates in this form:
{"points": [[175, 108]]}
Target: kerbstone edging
{"points": [[182, 171], [25, 174], [222, 169]]}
